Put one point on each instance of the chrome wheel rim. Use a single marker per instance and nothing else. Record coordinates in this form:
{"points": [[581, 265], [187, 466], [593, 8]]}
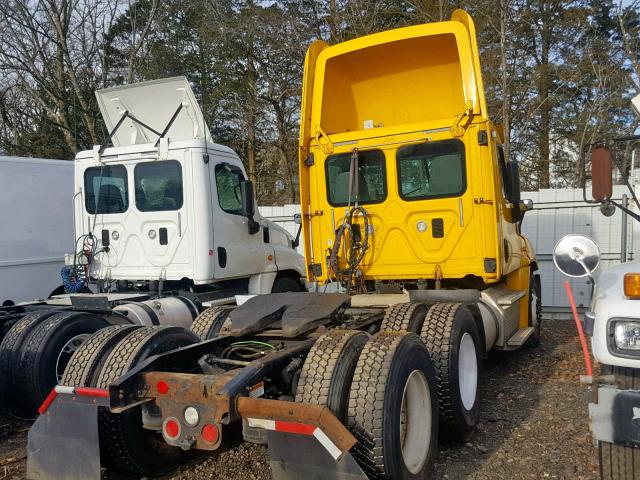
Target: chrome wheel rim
{"points": [[69, 348]]}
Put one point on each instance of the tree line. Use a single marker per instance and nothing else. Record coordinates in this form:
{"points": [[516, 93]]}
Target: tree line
{"points": [[558, 73]]}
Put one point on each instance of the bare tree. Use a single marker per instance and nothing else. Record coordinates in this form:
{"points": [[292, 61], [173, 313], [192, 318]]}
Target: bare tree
{"points": [[52, 54]]}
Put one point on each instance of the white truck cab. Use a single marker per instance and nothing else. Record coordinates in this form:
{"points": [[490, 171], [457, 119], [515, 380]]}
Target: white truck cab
{"points": [[165, 224], [165, 203], [613, 320], [617, 341]]}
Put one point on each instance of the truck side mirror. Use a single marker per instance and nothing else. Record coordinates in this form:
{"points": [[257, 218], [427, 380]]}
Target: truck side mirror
{"points": [[576, 256], [513, 190], [601, 174], [248, 205], [513, 174], [247, 198]]}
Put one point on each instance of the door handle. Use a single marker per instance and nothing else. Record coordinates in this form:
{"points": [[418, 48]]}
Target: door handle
{"points": [[164, 237]]}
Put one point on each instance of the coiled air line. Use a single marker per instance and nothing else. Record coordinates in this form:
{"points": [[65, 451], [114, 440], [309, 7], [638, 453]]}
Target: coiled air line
{"points": [[356, 243]]}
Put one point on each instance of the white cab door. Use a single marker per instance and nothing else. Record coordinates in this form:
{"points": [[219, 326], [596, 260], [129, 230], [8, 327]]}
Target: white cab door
{"points": [[237, 253]]}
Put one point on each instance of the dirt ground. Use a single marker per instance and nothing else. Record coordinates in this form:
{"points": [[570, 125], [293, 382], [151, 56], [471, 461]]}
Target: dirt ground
{"points": [[533, 426]]}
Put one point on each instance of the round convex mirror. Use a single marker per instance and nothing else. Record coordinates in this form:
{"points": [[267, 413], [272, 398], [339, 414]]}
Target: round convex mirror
{"points": [[573, 253]]}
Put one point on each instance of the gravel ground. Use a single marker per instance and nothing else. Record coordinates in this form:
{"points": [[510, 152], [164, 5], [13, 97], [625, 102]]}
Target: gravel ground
{"points": [[533, 426]]}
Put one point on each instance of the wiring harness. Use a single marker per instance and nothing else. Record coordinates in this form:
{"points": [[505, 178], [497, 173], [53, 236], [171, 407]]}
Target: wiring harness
{"points": [[75, 276], [352, 236], [247, 350]]}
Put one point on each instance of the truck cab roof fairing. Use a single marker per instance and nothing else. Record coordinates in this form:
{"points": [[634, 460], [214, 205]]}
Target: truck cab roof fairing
{"points": [[154, 103]]}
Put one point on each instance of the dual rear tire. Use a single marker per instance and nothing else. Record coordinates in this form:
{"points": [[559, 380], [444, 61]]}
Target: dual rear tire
{"points": [[453, 340], [392, 408], [36, 351], [209, 322], [383, 389], [124, 444]]}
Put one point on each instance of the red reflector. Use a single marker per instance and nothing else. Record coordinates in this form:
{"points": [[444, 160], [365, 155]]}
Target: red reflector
{"points": [[47, 401], [171, 428], [92, 392], [162, 387], [291, 427], [210, 433]]}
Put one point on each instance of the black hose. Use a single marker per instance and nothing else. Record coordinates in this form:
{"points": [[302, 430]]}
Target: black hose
{"points": [[355, 250]]}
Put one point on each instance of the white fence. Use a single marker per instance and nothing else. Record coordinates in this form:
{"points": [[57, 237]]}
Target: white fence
{"points": [[560, 212], [556, 213]]}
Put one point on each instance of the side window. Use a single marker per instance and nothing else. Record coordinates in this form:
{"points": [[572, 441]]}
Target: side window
{"points": [[228, 178], [158, 186], [106, 189], [372, 179], [431, 170]]}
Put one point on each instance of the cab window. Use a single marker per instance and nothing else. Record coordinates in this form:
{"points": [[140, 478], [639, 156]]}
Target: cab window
{"points": [[158, 186], [106, 189], [372, 180], [431, 170], [228, 179]]}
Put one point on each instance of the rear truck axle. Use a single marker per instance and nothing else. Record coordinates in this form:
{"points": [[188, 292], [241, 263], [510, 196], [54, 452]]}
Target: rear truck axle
{"points": [[330, 392], [301, 436]]}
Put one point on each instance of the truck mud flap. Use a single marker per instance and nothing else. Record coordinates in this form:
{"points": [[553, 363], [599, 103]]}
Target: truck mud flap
{"points": [[304, 441], [293, 457], [299, 450], [63, 441]]}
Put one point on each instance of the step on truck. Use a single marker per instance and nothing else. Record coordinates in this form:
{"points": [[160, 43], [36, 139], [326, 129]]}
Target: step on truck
{"points": [[410, 215], [161, 232], [613, 318]]}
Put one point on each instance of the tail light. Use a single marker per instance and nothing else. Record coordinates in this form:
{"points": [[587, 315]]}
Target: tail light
{"points": [[171, 428], [210, 433], [162, 387]]}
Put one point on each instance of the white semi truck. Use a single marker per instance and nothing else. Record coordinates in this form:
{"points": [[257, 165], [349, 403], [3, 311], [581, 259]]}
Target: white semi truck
{"points": [[35, 204], [613, 319], [165, 221]]}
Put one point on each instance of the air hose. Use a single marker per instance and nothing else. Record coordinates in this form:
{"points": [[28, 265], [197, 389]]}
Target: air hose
{"points": [[72, 278], [356, 243]]}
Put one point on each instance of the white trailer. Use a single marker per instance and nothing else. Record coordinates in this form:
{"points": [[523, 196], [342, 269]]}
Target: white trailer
{"points": [[35, 201]]}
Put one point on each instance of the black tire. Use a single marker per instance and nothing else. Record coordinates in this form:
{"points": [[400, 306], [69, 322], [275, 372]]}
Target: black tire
{"points": [[535, 319], [207, 325], [619, 462], [87, 361], [407, 317], [124, 444], [387, 363], [328, 370], [46, 352], [444, 328], [10, 350], [286, 284]]}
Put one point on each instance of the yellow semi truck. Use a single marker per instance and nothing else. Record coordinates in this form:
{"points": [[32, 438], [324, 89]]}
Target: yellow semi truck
{"points": [[404, 185], [410, 219], [441, 199]]}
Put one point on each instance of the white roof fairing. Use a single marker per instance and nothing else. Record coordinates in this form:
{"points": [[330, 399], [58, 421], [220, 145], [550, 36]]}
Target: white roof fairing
{"points": [[154, 104]]}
